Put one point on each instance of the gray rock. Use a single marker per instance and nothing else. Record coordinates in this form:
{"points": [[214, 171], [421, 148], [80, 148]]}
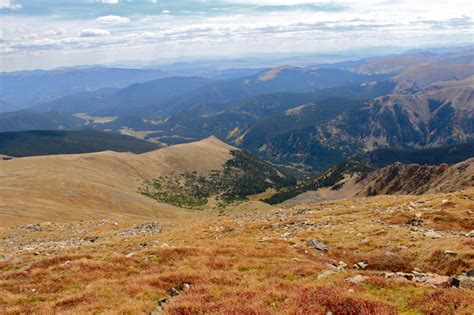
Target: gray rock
{"points": [[325, 274], [464, 282], [357, 279], [360, 265], [34, 227], [432, 234], [470, 273], [3, 258], [317, 245], [91, 239], [450, 253], [341, 265]]}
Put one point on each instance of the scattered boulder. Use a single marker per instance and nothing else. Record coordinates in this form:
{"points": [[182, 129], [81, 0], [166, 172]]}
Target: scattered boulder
{"points": [[408, 276], [3, 258], [34, 227], [432, 234], [91, 239], [317, 245], [450, 253], [438, 281], [464, 282], [414, 222], [360, 265], [325, 274], [147, 228], [5, 157], [357, 279], [470, 234], [470, 273], [340, 265]]}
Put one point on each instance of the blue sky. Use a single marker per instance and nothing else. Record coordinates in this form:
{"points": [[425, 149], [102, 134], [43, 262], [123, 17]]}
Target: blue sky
{"points": [[52, 33]]}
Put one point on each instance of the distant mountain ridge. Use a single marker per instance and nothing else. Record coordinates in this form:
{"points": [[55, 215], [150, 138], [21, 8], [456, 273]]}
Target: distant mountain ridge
{"points": [[34, 143], [41, 85]]}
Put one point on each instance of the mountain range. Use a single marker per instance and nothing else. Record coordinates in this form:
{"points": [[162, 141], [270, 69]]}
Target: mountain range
{"points": [[307, 118]]}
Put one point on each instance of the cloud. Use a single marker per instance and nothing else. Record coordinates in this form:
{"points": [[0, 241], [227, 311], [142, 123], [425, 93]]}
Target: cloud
{"points": [[10, 5], [112, 19], [166, 12], [94, 32], [109, 1], [154, 1]]}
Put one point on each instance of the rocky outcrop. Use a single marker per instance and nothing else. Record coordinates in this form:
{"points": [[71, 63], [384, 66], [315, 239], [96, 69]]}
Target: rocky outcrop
{"points": [[417, 179]]}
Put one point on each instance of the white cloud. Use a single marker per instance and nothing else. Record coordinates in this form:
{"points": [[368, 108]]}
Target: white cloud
{"points": [[94, 32], [9, 4], [109, 1], [154, 1], [112, 19], [245, 30]]}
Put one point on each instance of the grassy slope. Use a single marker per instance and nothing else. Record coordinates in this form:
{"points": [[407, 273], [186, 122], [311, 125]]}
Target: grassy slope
{"points": [[97, 185], [246, 262]]}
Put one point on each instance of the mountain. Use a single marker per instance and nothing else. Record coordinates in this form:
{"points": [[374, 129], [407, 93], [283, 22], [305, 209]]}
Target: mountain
{"points": [[427, 119], [417, 179], [292, 136], [393, 63], [399, 63], [420, 77], [118, 185], [281, 79], [26, 88], [132, 99], [395, 179], [48, 142], [33, 120], [333, 178]]}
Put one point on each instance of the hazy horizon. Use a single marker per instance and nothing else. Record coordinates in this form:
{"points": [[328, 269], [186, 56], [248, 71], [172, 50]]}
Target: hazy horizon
{"points": [[49, 34]]}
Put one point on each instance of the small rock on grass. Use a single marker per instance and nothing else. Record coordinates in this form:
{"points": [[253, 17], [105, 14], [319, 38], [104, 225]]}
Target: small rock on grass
{"points": [[360, 265], [317, 245], [464, 282], [3, 258], [357, 279], [439, 281], [432, 234], [450, 253], [325, 274]]}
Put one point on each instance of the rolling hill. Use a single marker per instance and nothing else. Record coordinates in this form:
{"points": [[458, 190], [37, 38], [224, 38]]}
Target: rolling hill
{"points": [[112, 185]]}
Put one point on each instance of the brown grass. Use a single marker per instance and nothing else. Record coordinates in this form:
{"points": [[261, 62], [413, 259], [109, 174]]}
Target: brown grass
{"points": [[239, 263]]}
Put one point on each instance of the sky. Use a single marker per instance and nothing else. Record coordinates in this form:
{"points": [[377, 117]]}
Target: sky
{"points": [[53, 33]]}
